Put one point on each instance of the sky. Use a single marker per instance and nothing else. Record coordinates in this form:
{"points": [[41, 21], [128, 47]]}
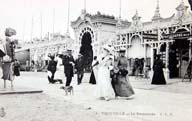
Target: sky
{"points": [[18, 14]]}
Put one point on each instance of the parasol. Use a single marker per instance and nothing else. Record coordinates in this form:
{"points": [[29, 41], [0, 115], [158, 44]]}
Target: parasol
{"points": [[10, 32]]}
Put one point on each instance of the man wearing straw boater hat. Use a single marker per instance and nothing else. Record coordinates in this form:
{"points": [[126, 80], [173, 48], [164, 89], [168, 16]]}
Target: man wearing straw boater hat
{"points": [[68, 62]]}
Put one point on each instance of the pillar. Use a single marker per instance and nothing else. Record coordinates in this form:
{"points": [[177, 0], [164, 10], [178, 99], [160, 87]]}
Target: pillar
{"points": [[152, 56], [145, 56], [152, 60], [166, 72], [158, 49]]}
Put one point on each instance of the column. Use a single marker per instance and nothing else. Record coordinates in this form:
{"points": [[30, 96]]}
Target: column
{"points": [[145, 60], [152, 60], [128, 51], [152, 57], [167, 61], [158, 48]]}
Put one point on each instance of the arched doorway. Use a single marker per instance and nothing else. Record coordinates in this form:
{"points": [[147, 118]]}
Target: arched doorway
{"points": [[178, 55], [86, 50], [136, 49], [136, 55]]}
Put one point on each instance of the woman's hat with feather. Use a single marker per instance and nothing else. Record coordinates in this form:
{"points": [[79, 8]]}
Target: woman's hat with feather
{"points": [[108, 48]]}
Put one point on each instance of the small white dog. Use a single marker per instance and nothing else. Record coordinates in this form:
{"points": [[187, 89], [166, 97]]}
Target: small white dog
{"points": [[68, 89]]}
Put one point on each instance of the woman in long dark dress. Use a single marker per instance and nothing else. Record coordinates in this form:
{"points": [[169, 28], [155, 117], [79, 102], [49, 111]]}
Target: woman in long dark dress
{"points": [[51, 69], [122, 85], [94, 71], [158, 76]]}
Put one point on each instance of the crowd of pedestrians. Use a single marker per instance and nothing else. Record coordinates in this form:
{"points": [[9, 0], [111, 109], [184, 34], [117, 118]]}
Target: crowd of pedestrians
{"points": [[109, 74]]}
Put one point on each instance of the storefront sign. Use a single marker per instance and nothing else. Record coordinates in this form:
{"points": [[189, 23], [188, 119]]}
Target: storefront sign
{"points": [[150, 36], [177, 35]]}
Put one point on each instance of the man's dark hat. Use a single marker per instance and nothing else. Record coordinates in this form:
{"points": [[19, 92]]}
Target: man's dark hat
{"points": [[52, 57], [68, 50], [122, 50], [80, 54], [158, 55]]}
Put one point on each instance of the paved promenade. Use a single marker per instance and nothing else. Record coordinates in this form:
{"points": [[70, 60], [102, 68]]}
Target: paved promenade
{"points": [[171, 102]]}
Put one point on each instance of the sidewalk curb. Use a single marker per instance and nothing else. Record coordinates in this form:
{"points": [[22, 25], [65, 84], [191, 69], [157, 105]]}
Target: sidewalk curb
{"points": [[20, 92]]}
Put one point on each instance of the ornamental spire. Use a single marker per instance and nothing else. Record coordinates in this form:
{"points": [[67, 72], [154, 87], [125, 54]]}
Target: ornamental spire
{"points": [[68, 16], [157, 12], [119, 9]]}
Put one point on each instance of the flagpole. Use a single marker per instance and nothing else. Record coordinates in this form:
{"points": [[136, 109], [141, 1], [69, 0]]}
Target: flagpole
{"points": [[120, 9], [32, 29], [68, 16], [53, 20], [84, 4], [24, 30], [41, 28]]}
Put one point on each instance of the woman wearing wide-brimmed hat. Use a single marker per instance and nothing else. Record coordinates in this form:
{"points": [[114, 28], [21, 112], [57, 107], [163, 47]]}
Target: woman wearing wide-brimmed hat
{"points": [[121, 84], [104, 87]]}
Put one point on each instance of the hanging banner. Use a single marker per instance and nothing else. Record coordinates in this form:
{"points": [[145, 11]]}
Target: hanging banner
{"points": [[150, 36], [177, 35]]}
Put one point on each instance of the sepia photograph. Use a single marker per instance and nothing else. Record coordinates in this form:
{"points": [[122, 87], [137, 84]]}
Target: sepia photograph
{"points": [[95, 60]]}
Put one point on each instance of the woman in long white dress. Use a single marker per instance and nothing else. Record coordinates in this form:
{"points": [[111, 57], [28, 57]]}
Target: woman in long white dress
{"points": [[104, 87], [59, 74]]}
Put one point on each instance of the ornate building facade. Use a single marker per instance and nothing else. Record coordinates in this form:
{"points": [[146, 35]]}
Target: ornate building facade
{"points": [[170, 37], [40, 49], [96, 30]]}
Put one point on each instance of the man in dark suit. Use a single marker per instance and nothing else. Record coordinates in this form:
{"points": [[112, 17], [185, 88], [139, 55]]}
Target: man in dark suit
{"points": [[68, 62], [79, 65]]}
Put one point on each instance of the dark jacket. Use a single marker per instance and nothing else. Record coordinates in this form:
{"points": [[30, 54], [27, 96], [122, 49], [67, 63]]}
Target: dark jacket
{"points": [[52, 66], [79, 64], [10, 48], [68, 67]]}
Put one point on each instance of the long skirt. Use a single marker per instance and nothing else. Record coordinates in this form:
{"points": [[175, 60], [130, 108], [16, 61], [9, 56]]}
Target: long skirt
{"points": [[59, 74], [92, 78], [104, 87], [158, 78], [123, 87], [8, 71]]}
